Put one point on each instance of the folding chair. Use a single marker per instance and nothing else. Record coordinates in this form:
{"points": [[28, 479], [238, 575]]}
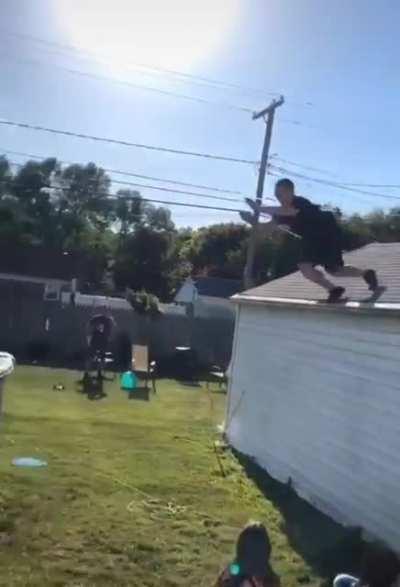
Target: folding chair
{"points": [[141, 365]]}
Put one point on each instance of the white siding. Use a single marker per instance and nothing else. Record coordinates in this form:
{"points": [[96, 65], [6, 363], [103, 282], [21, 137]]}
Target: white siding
{"points": [[315, 397]]}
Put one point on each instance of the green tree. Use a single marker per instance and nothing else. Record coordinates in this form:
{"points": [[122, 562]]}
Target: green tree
{"points": [[144, 261], [128, 212], [30, 189], [145, 255], [82, 202], [217, 250], [5, 177]]}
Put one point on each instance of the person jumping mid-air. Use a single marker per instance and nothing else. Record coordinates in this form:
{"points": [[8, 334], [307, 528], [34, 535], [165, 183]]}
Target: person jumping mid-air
{"points": [[320, 238]]}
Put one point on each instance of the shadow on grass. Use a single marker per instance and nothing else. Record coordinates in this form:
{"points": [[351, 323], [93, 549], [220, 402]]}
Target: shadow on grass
{"points": [[92, 387], [326, 546], [188, 383]]}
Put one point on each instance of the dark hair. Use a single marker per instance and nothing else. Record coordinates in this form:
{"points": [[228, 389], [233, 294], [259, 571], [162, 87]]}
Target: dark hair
{"points": [[285, 183], [381, 567], [253, 550]]}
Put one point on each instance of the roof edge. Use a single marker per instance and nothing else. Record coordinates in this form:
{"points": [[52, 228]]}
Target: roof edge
{"points": [[318, 305]]}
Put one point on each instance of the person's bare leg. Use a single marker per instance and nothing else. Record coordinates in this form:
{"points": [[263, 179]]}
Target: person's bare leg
{"points": [[312, 274], [369, 275], [347, 271]]}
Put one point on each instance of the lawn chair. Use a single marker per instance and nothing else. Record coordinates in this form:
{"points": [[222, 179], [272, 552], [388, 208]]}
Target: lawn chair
{"points": [[141, 365]]}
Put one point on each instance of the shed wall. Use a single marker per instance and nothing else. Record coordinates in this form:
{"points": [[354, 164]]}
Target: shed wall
{"points": [[315, 398]]}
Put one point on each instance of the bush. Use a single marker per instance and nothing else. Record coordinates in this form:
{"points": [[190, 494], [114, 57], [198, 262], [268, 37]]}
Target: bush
{"points": [[144, 303]]}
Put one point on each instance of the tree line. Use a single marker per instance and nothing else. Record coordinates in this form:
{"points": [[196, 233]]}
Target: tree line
{"points": [[71, 208]]}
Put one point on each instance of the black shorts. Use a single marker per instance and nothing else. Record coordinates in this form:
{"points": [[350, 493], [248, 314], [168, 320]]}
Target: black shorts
{"points": [[324, 252]]}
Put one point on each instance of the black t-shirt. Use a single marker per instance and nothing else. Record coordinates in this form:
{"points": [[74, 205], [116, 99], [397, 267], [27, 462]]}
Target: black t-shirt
{"points": [[310, 221]]}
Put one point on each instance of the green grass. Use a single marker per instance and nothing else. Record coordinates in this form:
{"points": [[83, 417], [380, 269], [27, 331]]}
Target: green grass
{"points": [[133, 493]]}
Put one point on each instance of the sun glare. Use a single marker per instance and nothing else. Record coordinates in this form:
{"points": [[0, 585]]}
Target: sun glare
{"points": [[174, 34]]}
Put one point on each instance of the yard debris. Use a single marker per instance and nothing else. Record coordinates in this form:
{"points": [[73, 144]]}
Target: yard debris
{"points": [[28, 462], [153, 505]]}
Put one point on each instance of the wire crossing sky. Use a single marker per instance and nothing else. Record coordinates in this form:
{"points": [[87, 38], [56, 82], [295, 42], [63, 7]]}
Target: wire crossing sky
{"points": [[175, 90]]}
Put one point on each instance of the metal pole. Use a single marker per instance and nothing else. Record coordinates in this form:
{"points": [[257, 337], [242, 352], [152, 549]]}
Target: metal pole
{"points": [[269, 112]]}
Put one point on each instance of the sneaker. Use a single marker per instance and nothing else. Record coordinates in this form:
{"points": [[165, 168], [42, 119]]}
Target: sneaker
{"points": [[371, 279], [335, 294], [247, 217]]}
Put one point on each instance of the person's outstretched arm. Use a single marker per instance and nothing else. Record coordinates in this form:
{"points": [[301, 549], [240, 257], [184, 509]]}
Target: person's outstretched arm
{"points": [[271, 210], [278, 211]]}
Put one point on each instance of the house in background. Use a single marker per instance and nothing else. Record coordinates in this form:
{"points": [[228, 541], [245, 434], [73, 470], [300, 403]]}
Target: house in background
{"points": [[209, 296], [46, 271], [314, 394]]}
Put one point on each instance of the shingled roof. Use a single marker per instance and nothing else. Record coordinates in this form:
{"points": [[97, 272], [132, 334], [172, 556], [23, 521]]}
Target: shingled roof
{"points": [[295, 289]]}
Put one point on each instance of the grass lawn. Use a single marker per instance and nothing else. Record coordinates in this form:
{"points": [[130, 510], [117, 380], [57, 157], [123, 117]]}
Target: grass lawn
{"points": [[133, 493]]}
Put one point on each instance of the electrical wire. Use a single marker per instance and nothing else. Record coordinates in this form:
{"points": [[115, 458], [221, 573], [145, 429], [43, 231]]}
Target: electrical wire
{"points": [[133, 85], [126, 173], [279, 175], [342, 183], [152, 71], [168, 190], [169, 93], [301, 166], [374, 185], [334, 184], [179, 74], [124, 197], [183, 204], [175, 191], [125, 143]]}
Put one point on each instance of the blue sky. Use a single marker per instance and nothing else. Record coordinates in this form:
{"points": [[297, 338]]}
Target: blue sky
{"points": [[342, 57]]}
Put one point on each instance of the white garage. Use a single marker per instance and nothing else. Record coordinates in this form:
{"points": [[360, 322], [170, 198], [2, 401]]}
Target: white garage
{"points": [[315, 392]]}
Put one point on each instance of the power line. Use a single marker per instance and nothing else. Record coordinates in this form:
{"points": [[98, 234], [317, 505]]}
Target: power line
{"points": [[334, 184], [184, 204], [280, 175], [301, 166], [127, 173], [375, 185], [185, 76], [126, 143], [186, 193], [126, 83], [139, 197], [342, 183], [181, 77], [164, 189], [169, 93]]}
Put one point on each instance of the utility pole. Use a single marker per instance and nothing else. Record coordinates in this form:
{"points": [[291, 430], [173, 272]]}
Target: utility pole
{"points": [[269, 114]]}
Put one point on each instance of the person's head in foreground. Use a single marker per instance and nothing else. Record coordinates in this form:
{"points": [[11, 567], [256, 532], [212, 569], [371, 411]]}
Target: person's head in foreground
{"points": [[251, 566], [381, 567], [284, 192]]}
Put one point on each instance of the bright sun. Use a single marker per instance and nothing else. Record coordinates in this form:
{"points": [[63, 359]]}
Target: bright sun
{"points": [[164, 33]]}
